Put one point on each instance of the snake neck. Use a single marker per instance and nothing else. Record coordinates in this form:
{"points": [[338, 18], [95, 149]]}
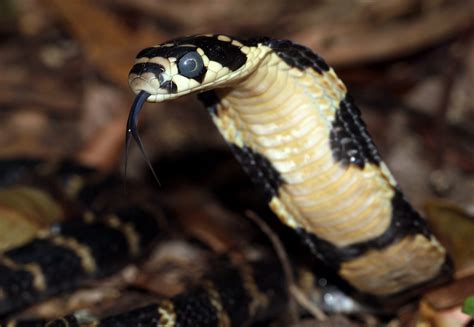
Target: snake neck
{"points": [[287, 115], [298, 133]]}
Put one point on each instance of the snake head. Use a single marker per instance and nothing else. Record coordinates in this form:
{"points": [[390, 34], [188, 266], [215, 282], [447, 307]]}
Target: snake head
{"points": [[181, 66], [190, 64]]}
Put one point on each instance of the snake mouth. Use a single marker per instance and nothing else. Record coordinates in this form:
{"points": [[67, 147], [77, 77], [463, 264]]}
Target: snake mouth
{"points": [[139, 83], [152, 78], [152, 84]]}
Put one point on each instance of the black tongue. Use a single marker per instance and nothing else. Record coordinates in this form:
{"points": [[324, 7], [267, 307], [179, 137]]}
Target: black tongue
{"points": [[133, 131]]}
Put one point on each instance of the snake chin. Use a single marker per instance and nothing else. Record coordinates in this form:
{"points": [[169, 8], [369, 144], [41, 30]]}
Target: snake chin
{"points": [[149, 85]]}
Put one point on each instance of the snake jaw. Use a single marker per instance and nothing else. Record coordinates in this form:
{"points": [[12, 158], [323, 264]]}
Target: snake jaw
{"points": [[132, 131], [145, 82]]}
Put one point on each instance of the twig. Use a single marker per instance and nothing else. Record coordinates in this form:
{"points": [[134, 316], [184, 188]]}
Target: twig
{"points": [[293, 288]]}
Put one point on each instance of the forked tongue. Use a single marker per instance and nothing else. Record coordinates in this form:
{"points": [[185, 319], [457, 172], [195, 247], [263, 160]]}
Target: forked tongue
{"points": [[133, 131]]}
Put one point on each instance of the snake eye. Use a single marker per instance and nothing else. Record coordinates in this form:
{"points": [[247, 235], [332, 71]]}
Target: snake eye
{"points": [[190, 65]]}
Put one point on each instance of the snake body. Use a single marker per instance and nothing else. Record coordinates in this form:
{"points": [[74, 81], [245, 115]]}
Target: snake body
{"points": [[235, 295], [95, 241], [98, 238], [297, 132]]}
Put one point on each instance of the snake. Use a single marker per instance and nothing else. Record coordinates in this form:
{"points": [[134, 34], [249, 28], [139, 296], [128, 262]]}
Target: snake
{"points": [[101, 236], [297, 132], [95, 240], [299, 135]]}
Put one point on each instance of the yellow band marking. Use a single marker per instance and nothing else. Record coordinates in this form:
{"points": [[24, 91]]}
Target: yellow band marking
{"points": [[39, 281], [259, 299], [127, 229], [224, 38], [166, 313], [34, 269], [237, 43], [216, 302], [411, 261], [81, 250]]}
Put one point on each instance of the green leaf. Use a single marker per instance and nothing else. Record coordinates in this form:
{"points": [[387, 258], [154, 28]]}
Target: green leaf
{"points": [[468, 306]]}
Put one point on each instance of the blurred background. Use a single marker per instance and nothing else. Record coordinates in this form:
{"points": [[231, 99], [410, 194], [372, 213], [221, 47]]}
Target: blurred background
{"points": [[408, 63]]}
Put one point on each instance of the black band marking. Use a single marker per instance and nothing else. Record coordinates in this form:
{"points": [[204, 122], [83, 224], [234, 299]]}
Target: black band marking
{"points": [[166, 52], [260, 169], [147, 67], [18, 288], [269, 277], [350, 141], [225, 53], [13, 170], [145, 316], [234, 297], [106, 244], [296, 55], [144, 222], [210, 100], [194, 308]]}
